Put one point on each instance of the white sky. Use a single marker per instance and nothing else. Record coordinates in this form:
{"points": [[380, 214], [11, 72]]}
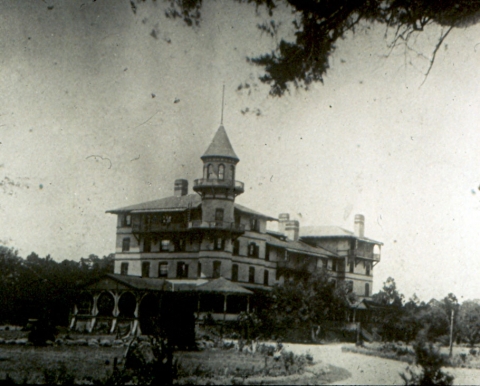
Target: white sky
{"points": [[77, 81]]}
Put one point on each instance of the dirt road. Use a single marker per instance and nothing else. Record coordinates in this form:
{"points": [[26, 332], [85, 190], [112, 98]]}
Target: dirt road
{"points": [[369, 370]]}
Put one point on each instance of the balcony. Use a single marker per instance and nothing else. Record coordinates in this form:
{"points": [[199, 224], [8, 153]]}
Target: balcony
{"points": [[361, 254], [218, 225], [158, 227], [206, 183]]}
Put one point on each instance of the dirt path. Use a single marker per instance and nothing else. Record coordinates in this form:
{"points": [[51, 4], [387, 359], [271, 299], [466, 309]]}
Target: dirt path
{"points": [[369, 370]]}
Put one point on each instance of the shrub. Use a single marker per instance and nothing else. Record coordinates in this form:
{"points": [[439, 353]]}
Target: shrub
{"points": [[42, 331], [429, 359]]}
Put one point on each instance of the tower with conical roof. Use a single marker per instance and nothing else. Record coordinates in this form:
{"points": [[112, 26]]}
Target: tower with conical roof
{"points": [[218, 187]]}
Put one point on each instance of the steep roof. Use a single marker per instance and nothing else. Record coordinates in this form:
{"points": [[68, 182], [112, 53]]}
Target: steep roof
{"points": [[221, 146], [172, 202]]}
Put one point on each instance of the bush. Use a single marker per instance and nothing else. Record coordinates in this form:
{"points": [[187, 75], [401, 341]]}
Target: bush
{"points": [[429, 359], [42, 331]]}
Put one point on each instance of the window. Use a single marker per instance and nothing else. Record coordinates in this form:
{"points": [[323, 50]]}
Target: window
{"points": [[267, 252], [126, 244], [145, 269], [163, 270], [367, 270], [126, 220], [217, 265], [182, 270], [325, 264], [253, 224], [166, 219], [147, 244], [251, 275], [265, 277], [349, 286], [334, 265], [179, 245], [234, 272], [352, 267], [253, 250], [124, 269], [236, 248], [219, 244], [219, 215], [367, 289], [221, 172], [164, 245], [232, 172], [209, 171], [199, 270]]}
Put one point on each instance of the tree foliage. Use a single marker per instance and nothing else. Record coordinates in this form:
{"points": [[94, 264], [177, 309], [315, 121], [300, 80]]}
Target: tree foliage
{"points": [[318, 25], [38, 287], [305, 305], [469, 322], [389, 295]]}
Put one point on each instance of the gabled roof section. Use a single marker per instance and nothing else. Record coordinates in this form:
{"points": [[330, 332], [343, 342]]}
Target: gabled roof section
{"points": [[331, 232], [324, 231], [174, 203], [111, 281], [223, 286], [220, 146], [296, 246], [246, 210]]}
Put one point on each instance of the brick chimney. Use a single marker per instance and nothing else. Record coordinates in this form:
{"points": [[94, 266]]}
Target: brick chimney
{"points": [[181, 187], [290, 228], [359, 226]]}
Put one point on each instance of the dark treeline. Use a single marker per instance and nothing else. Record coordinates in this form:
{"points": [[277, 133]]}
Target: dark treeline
{"points": [[40, 287]]}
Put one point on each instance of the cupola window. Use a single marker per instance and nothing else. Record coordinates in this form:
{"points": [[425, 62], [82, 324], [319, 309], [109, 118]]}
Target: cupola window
{"points": [[209, 171], [221, 172]]}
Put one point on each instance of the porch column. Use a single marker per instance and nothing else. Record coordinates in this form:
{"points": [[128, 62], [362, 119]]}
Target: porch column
{"points": [[94, 312], [248, 303], [116, 311], [136, 325], [74, 316]]}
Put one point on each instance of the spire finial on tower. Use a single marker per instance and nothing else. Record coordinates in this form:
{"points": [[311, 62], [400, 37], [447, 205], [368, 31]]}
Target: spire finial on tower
{"points": [[223, 103]]}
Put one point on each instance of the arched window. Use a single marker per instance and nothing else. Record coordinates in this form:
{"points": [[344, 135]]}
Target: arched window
{"points": [[209, 171], [232, 172], [221, 172]]}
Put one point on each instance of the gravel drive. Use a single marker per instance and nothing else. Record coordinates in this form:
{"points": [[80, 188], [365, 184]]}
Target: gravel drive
{"points": [[370, 370]]}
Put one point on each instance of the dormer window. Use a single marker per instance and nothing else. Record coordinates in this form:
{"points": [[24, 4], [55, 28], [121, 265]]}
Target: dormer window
{"points": [[221, 172]]}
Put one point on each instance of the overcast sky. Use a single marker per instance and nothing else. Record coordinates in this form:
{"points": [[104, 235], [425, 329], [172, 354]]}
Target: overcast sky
{"points": [[101, 108]]}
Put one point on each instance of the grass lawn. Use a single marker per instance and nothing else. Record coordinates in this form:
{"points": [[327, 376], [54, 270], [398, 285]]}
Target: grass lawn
{"points": [[27, 363], [212, 366]]}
